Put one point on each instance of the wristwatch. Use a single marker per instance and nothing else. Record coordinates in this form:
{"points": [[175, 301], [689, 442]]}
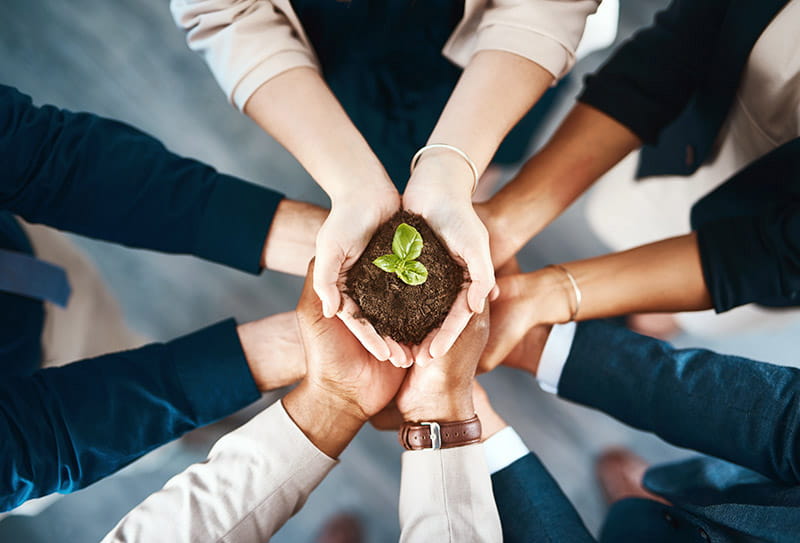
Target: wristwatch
{"points": [[416, 436]]}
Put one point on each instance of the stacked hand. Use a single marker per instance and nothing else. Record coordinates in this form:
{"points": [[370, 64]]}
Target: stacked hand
{"points": [[344, 385]]}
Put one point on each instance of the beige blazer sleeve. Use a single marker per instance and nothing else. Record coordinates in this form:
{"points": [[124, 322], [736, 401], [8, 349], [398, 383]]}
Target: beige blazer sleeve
{"points": [[247, 42], [545, 31], [446, 496], [244, 42], [252, 482]]}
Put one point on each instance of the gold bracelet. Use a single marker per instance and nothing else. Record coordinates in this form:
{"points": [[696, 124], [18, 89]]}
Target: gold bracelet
{"points": [[575, 288], [456, 150]]}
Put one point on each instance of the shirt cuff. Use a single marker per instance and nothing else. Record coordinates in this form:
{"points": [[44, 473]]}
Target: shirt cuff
{"points": [[503, 449], [554, 356]]}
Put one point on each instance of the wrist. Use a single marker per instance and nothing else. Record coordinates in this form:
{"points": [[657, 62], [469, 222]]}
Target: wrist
{"points": [[442, 170], [273, 352], [291, 239], [551, 294], [328, 420], [372, 184], [449, 407]]}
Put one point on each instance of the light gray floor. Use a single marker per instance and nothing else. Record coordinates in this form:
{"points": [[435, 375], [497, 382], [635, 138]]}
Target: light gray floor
{"points": [[126, 60]]}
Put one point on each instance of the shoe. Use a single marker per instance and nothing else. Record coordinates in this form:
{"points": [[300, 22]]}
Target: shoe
{"points": [[342, 528], [620, 474]]}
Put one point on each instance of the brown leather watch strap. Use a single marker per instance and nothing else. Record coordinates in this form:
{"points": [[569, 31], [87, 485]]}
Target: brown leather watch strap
{"points": [[415, 436]]}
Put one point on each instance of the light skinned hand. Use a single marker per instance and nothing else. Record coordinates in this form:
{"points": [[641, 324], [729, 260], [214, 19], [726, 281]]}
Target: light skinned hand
{"points": [[337, 363], [448, 209], [352, 221]]}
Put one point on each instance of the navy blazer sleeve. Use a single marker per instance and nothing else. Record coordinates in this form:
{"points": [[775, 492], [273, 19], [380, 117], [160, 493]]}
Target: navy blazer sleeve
{"points": [[62, 429], [650, 79], [740, 410], [532, 506], [104, 179]]}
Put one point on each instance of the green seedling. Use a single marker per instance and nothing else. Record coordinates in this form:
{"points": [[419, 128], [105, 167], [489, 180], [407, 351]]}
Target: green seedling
{"points": [[406, 247]]}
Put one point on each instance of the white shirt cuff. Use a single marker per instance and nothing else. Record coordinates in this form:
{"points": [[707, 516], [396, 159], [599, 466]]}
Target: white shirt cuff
{"points": [[554, 356], [503, 449]]}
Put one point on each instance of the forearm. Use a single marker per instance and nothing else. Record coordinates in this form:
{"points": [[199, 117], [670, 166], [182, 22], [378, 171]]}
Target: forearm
{"points": [[292, 237], [586, 145], [496, 89], [665, 276], [298, 109], [65, 428]]}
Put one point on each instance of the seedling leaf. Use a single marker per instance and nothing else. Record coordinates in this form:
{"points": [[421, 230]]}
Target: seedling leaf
{"points": [[413, 273], [388, 263], [407, 242]]}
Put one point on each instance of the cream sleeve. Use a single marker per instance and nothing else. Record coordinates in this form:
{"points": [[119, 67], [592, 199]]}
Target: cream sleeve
{"points": [[544, 31], [244, 42]]}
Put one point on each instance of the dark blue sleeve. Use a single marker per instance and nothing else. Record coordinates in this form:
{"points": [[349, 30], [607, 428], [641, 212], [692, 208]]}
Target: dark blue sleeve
{"points": [[740, 410], [650, 78], [748, 233], [62, 429], [532, 506], [106, 180]]}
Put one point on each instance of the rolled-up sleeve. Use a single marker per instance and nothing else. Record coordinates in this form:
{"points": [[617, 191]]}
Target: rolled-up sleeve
{"points": [[752, 259], [546, 32], [244, 42]]}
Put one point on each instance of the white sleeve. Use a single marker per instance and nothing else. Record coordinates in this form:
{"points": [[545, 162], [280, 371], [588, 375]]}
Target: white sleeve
{"points": [[252, 482], [554, 356], [503, 449], [446, 495]]}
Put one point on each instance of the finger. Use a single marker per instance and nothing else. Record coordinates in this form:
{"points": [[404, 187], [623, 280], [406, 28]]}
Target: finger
{"points": [[481, 273], [363, 330], [397, 355], [326, 275], [451, 328], [422, 352], [495, 293]]}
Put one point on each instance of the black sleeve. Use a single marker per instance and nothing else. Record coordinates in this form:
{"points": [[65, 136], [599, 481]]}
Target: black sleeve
{"points": [[650, 78]]}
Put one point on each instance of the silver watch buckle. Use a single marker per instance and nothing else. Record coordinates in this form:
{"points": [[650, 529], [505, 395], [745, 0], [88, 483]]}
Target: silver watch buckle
{"points": [[436, 434]]}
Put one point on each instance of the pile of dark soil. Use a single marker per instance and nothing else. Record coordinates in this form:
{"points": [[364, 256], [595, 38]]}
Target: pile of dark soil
{"points": [[403, 312]]}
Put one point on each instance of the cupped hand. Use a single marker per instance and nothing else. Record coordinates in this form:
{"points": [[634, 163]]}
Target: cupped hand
{"points": [[337, 363], [350, 225], [447, 208]]}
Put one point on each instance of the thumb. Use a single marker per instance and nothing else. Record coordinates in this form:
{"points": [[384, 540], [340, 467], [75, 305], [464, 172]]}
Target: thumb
{"points": [[326, 276]]}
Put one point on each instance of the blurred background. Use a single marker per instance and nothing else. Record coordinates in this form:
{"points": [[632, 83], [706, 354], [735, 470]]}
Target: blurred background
{"points": [[126, 60]]}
